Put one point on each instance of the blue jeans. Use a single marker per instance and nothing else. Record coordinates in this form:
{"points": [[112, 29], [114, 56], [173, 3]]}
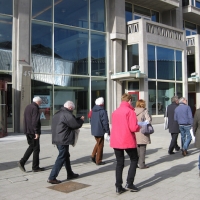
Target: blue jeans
{"points": [[185, 136], [63, 158]]}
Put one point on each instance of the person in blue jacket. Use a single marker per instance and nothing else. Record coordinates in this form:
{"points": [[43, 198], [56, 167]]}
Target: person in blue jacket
{"points": [[183, 115], [99, 126]]}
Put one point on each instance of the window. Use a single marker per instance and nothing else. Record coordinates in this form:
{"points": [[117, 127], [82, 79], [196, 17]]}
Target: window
{"points": [[128, 12], [190, 28], [133, 56]]}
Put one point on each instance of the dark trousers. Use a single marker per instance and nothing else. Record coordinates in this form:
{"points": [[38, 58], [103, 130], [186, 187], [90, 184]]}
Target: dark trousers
{"points": [[133, 155], [173, 145], [34, 147], [98, 149], [141, 148], [62, 159]]}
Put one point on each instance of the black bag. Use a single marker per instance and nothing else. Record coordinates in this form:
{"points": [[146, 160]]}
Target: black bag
{"points": [[147, 129]]}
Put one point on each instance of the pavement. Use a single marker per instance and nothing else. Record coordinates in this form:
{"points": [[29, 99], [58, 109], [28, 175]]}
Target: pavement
{"points": [[169, 176]]}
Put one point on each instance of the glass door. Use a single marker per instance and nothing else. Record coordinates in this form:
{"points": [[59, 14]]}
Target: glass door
{"points": [[135, 97]]}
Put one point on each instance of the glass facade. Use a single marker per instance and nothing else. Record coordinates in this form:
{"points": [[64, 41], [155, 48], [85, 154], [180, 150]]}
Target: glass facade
{"points": [[133, 55], [163, 64], [68, 54]]}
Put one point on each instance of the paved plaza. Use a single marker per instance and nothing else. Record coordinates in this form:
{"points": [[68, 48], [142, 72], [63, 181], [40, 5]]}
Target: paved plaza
{"points": [[169, 176]]}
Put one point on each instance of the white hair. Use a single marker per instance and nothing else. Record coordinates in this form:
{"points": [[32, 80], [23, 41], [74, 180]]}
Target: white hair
{"points": [[37, 99], [182, 99], [69, 104], [99, 101]]}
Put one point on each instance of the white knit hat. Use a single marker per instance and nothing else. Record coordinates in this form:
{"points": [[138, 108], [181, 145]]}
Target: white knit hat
{"points": [[99, 101]]}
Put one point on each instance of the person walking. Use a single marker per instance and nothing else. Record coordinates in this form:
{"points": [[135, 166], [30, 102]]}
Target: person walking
{"points": [[99, 126], [64, 124], [32, 129], [196, 131], [142, 139], [122, 138], [173, 125], [183, 115]]}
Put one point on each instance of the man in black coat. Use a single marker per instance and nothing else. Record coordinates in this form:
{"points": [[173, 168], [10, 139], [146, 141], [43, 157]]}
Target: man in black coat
{"points": [[64, 124], [32, 129], [173, 125]]}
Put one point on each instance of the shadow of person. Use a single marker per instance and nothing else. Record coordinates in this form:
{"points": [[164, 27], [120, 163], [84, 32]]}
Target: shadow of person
{"points": [[169, 173]]}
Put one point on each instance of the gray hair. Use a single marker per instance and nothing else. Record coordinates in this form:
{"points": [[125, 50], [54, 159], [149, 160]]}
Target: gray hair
{"points": [[174, 98], [69, 104], [37, 99], [182, 99], [99, 101]]}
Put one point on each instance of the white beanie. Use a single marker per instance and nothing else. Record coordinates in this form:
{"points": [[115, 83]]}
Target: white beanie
{"points": [[99, 101]]}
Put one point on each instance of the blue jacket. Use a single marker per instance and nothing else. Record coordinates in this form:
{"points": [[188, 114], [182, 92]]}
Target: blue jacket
{"points": [[183, 114], [99, 121]]}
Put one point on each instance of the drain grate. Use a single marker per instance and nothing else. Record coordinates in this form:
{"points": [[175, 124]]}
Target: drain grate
{"points": [[68, 187]]}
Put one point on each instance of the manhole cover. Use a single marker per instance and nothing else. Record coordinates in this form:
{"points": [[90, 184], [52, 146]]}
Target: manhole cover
{"points": [[68, 186]]}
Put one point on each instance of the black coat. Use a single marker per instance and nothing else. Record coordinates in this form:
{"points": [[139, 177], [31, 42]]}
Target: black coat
{"points": [[63, 125], [173, 125], [32, 124], [99, 121]]}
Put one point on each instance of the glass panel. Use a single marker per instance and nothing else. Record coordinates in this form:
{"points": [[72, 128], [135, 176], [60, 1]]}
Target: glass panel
{"points": [[154, 16], [179, 90], [152, 97], [190, 25], [41, 47], [6, 7], [190, 65], [185, 2], [42, 9], [151, 61], [165, 92], [197, 4], [71, 51], [136, 17], [133, 85], [6, 76], [198, 29], [98, 54], [44, 90], [9, 106], [70, 12], [97, 15], [179, 65], [98, 89], [128, 12], [73, 89], [165, 64], [133, 56], [141, 10], [188, 33]]}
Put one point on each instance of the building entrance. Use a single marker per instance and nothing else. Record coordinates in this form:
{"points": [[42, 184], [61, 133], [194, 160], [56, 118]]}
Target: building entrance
{"points": [[135, 97]]}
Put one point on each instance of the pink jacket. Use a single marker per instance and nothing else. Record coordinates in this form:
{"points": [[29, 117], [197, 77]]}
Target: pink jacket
{"points": [[124, 126]]}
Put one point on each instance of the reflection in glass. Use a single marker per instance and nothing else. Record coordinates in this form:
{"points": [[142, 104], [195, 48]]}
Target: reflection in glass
{"points": [[71, 51], [152, 97], [5, 32], [165, 92], [98, 54], [42, 9], [179, 65], [133, 85], [74, 89], [128, 12], [70, 12], [6, 7], [151, 61], [133, 56], [154, 16], [165, 63], [41, 48], [179, 90], [190, 65], [141, 10], [97, 15], [44, 90]]}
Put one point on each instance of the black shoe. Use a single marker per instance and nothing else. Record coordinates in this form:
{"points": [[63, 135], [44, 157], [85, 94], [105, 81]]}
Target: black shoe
{"points": [[21, 166], [55, 181], [93, 160], [131, 188], [171, 153], [101, 163], [120, 190], [39, 169], [177, 148], [72, 176]]}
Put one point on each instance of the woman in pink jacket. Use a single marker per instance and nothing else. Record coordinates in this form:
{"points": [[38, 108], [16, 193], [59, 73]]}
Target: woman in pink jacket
{"points": [[122, 137]]}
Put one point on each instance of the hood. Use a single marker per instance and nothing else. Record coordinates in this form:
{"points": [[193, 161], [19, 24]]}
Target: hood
{"points": [[97, 108]]}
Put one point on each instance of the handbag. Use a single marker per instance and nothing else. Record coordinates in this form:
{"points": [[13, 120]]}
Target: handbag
{"points": [[147, 129], [166, 120], [76, 133]]}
